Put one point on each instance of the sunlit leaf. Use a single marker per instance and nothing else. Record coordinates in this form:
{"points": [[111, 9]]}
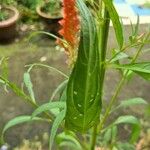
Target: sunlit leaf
{"points": [[142, 69], [130, 102], [125, 146], [83, 97], [64, 138], [17, 121], [59, 118], [134, 122], [115, 20], [118, 56], [107, 136], [28, 83], [59, 89], [127, 119], [48, 107]]}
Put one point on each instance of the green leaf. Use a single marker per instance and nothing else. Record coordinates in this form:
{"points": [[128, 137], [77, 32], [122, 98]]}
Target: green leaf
{"points": [[115, 20], [68, 144], [17, 91], [19, 120], [133, 101], [135, 133], [59, 118], [46, 66], [114, 132], [142, 69], [48, 107], [134, 36], [63, 96], [130, 102], [118, 56], [126, 119], [125, 146], [59, 89], [83, 97], [2, 82], [110, 135], [137, 26], [107, 136], [134, 123], [68, 137], [28, 83]]}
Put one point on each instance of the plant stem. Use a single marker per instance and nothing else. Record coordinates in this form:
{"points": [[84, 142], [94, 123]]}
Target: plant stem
{"points": [[103, 38], [25, 97], [94, 136], [114, 98]]}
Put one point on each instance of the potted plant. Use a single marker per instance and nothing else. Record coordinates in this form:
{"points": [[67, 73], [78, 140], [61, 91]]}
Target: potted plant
{"points": [[8, 17], [50, 12]]}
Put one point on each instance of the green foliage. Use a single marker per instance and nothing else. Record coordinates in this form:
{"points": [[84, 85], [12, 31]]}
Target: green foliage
{"points": [[52, 7], [135, 126], [130, 103], [28, 84], [117, 55], [59, 89], [8, 2], [142, 69], [31, 4], [48, 106], [18, 120], [58, 120], [68, 138], [3, 16], [115, 20], [83, 100], [75, 105]]}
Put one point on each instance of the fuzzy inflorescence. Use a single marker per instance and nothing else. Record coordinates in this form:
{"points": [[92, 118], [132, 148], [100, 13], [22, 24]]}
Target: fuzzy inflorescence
{"points": [[70, 29]]}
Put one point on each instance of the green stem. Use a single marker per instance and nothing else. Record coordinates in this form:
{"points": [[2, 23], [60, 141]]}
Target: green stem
{"points": [[94, 136], [114, 98], [104, 31], [103, 38], [25, 97]]}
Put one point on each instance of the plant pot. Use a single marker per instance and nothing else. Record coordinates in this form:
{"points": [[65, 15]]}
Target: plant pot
{"points": [[51, 22], [8, 26]]}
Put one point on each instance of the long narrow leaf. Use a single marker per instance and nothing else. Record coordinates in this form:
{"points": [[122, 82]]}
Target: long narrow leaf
{"points": [[126, 119], [58, 89], [130, 102], [60, 117], [133, 101], [65, 137], [115, 20], [142, 69], [28, 83], [83, 97], [19, 120], [46, 66], [48, 107], [134, 122]]}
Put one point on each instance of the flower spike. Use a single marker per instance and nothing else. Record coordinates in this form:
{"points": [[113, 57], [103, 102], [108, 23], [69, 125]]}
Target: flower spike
{"points": [[70, 29]]}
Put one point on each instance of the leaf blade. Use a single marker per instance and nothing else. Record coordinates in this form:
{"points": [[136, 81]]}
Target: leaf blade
{"points": [[83, 97], [142, 69], [18, 120], [115, 20], [59, 118], [48, 107], [29, 86]]}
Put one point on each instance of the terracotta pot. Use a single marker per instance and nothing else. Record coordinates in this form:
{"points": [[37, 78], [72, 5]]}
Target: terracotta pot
{"points": [[51, 22], [8, 26]]}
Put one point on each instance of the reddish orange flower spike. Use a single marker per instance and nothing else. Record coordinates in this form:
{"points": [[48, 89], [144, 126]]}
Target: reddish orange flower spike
{"points": [[70, 29]]}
